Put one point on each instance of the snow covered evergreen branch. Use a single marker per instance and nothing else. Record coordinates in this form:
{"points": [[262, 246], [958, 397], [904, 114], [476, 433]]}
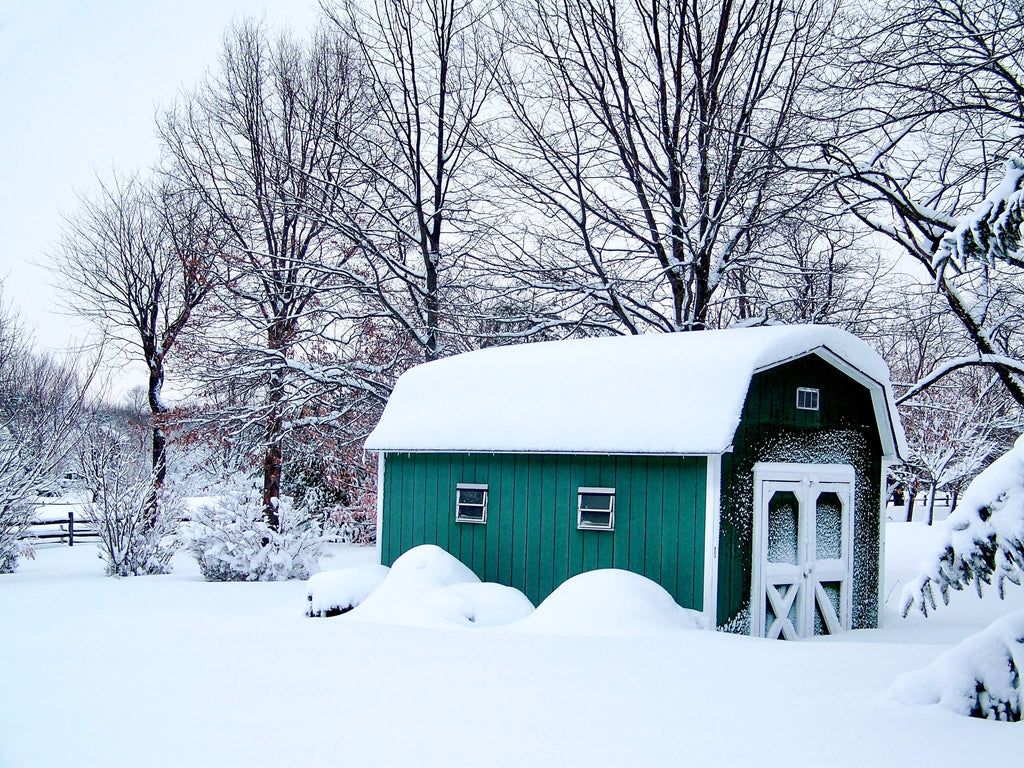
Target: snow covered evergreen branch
{"points": [[984, 537]]}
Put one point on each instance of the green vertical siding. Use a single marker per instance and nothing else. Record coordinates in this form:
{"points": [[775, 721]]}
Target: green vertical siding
{"points": [[530, 540]]}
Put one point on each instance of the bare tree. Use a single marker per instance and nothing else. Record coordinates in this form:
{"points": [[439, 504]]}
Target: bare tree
{"points": [[41, 401], [934, 101], [955, 427], [248, 142], [136, 260], [419, 220], [652, 138], [813, 270]]}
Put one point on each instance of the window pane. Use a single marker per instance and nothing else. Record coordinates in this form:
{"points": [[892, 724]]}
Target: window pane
{"points": [[828, 527], [782, 527], [595, 519], [467, 496], [471, 512], [596, 501], [807, 399]]}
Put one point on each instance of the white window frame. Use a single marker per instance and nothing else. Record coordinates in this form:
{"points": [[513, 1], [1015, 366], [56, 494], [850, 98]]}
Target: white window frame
{"points": [[459, 487], [814, 394], [580, 525]]}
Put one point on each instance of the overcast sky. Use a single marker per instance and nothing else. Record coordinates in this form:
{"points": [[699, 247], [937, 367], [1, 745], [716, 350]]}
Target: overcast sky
{"points": [[80, 83]]}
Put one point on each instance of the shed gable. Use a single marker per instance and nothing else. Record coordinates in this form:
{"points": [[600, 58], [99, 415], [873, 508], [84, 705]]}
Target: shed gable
{"points": [[842, 401], [773, 429]]}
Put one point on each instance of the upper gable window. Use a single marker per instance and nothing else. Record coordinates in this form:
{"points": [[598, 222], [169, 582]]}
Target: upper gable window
{"points": [[807, 399], [470, 503], [596, 509]]}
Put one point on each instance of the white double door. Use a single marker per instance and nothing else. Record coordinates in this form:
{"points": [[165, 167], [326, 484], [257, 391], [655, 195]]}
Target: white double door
{"points": [[803, 541]]}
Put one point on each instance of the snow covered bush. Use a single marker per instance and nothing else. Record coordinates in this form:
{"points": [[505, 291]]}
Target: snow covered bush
{"points": [[41, 401], [9, 554], [135, 539], [983, 539], [354, 525], [136, 522], [232, 542], [980, 677], [15, 518], [332, 593], [426, 586]]}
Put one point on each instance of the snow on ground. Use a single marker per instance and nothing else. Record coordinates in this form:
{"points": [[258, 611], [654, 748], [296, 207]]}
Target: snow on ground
{"points": [[173, 671], [427, 587], [610, 602]]}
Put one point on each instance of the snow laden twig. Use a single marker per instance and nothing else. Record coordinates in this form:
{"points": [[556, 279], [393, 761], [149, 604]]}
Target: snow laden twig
{"points": [[983, 537]]}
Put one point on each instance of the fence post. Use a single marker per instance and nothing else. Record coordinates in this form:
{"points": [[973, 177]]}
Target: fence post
{"points": [[71, 526]]}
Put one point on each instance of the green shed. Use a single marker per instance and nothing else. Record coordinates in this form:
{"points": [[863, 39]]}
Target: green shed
{"points": [[743, 470]]}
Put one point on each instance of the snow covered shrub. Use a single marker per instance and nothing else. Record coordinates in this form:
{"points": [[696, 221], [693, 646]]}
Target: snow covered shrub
{"points": [[980, 677], [135, 538], [13, 522], [232, 542], [610, 602], [9, 553], [41, 401], [332, 593], [983, 537], [428, 587], [738, 624], [354, 525], [136, 524]]}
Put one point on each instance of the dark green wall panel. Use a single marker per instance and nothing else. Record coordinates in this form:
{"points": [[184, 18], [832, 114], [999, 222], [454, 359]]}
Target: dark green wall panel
{"points": [[530, 540]]}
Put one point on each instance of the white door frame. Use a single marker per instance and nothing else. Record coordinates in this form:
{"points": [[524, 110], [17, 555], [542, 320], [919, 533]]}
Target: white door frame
{"points": [[808, 574]]}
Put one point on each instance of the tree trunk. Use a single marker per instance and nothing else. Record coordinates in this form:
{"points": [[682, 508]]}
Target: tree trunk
{"points": [[431, 303], [272, 462], [931, 504], [273, 458], [158, 453]]}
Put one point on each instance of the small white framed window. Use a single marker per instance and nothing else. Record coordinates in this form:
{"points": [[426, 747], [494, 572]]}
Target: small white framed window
{"points": [[470, 503], [807, 399], [596, 509]]}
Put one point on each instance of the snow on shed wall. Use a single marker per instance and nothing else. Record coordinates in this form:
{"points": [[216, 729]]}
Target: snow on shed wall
{"points": [[679, 393]]}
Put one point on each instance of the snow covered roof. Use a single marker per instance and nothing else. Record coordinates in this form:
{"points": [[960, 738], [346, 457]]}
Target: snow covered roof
{"points": [[677, 393]]}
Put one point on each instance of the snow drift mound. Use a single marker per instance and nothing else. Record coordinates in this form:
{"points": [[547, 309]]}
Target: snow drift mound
{"points": [[428, 587], [979, 677], [610, 601], [334, 592]]}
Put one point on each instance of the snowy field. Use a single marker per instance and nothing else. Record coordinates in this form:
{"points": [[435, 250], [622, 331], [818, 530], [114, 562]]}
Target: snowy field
{"points": [[172, 671]]}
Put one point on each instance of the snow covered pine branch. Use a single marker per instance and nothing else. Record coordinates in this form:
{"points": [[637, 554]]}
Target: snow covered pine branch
{"points": [[983, 539], [993, 230]]}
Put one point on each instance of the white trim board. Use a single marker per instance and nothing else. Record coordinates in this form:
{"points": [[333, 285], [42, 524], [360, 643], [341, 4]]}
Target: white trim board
{"points": [[712, 525]]}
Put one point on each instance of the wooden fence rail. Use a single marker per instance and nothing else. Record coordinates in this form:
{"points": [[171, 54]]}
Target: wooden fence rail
{"points": [[66, 528]]}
